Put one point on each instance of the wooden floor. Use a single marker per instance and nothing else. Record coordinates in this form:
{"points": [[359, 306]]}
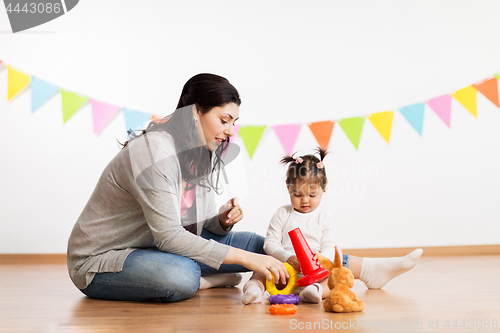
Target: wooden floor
{"points": [[462, 293]]}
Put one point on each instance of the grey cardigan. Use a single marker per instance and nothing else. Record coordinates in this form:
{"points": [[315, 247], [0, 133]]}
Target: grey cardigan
{"points": [[136, 204]]}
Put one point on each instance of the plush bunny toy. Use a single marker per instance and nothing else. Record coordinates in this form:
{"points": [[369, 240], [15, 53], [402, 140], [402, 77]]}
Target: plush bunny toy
{"points": [[340, 282]]}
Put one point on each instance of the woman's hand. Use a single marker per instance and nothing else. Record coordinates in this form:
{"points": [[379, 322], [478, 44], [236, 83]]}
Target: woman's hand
{"points": [[230, 213], [294, 262], [267, 265]]}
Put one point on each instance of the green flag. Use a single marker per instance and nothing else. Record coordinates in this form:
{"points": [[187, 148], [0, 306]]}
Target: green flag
{"points": [[352, 128], [71, 102], [251, 136]]}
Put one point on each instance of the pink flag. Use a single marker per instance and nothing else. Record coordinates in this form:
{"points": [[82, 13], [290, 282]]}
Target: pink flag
{"points": [[442, 106], [102, 114], [288, 136], [235, 132]]}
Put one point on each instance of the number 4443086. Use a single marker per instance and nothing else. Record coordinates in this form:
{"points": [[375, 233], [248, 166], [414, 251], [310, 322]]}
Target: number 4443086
{"points": [[472, 324], [35, 8]]}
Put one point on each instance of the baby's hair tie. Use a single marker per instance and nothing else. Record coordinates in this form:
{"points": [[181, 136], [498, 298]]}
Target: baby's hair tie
{"points": [[299, 160], [320, 165]]}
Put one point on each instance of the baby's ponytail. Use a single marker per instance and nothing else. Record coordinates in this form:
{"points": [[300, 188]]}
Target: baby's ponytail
{"points": [[322, 153], [307, 167], [287, 159]]}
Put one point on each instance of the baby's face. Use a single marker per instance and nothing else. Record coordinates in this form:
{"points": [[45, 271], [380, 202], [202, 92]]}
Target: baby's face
{"points": [[305, 197]]}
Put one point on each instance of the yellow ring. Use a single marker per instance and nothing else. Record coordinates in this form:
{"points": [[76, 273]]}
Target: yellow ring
{"points": [[290, 286]]}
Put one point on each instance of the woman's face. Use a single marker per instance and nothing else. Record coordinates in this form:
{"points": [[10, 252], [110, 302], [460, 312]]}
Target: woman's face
{"points": [[217, 124]]}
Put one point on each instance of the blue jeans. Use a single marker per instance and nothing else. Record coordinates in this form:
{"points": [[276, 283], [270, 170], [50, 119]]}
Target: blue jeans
{"points": [[152, 274]]}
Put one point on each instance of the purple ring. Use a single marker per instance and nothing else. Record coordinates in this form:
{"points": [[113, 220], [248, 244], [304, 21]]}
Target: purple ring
{"points": [[284, 299]]}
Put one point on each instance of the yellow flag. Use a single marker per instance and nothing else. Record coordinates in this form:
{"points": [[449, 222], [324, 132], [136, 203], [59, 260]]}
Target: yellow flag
{"points": [[17, 81], [467, 97], [383, 123]]}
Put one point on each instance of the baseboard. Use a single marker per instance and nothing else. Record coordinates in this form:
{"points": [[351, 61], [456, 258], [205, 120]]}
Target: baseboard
{"points": [[56, 258], [462, 250], [33, 259]]}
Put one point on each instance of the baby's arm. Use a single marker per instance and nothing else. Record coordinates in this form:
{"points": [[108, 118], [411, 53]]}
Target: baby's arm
{"points": [[272, 243], [328, 236]]}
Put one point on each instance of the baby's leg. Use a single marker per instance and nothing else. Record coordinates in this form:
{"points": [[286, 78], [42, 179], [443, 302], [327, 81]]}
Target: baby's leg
{"points": [[376, 272], [315, 292]]}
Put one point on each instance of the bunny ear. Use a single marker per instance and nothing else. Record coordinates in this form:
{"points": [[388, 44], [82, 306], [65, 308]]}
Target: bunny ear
{"points": [[338, 261]]}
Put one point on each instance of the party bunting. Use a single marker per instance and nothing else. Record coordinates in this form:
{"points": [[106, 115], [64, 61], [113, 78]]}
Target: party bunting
{"points": [[414, 114], [135, 119], [71, 103], [467, 97], [41, 92], [352, 128], [102, 114], [287, 134], [489, 89], [322, 131], [442, 107], [17, 81], [383, 123], [236, 130], [251, 136]]}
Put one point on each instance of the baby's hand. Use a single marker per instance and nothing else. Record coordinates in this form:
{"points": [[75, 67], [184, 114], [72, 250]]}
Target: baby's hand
{"points": [[294, 262]]}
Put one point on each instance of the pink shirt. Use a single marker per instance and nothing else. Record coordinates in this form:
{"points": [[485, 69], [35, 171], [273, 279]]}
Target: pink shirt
{"points": [[187, 200]]}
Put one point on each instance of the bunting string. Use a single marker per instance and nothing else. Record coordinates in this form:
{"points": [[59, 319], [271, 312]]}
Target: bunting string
{"points": [[103, 113]]}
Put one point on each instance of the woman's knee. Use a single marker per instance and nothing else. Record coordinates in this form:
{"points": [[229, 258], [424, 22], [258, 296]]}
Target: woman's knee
{"points": [[170, 276], [180, 282]]}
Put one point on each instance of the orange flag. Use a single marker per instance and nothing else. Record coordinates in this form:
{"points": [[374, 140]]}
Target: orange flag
{"points": [[489, 89], [322, 131]]}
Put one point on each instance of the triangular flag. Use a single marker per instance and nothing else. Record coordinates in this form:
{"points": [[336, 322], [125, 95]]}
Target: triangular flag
{"points": [[41, 92], [352, 128], [102, 114], [287, 134], [236, 130], [251, 136], [322, 131], [414, 114], [489, 89], [158, 119], [135, 119], [71, 103], [442, 107], [383, 123], [467, 97], [17, 81]]}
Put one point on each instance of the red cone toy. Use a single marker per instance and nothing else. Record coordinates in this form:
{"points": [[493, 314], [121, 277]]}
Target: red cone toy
{"points": [[310, 267]]}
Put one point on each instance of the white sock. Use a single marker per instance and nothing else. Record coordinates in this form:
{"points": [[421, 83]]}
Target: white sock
{"points": [[220, 280], [312, 293], [252, 292], [376, 272]]}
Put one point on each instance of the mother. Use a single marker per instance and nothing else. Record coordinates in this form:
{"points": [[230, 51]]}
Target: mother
{"points": [[150, 230]]}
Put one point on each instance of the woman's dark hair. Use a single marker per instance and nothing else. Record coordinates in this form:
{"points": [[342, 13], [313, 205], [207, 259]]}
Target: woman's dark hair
{"points": [[204, 91], [305, 168]]}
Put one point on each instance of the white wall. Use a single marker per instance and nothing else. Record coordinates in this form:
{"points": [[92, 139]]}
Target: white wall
{"points": [[293, 62]]}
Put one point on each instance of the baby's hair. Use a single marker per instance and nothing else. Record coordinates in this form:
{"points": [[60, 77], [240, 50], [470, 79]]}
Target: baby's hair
{"points": [[306, 168]]}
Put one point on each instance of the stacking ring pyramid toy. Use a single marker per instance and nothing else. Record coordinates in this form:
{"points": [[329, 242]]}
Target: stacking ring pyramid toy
{"points": [[310, 267]]}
